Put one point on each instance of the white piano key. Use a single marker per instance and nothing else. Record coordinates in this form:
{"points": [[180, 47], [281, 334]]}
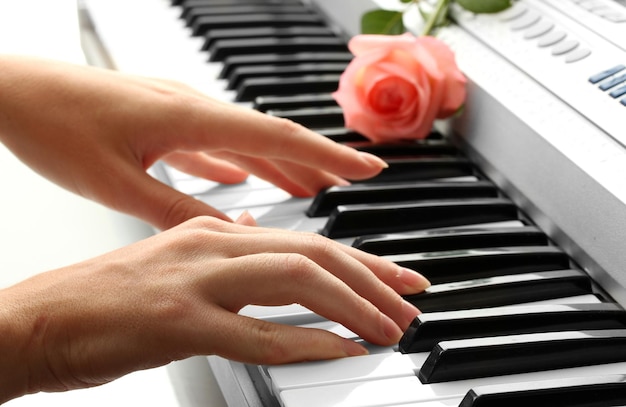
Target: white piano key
{"points": [[439, 403], [371, 394], [368, 367], [407, 390], [354, 369]]}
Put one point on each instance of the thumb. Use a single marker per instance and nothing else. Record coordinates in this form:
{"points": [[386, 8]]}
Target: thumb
{"points": [[163, 206]]}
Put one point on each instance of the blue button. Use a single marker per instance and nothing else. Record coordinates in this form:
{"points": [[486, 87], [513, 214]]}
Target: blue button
{"points": [[605, 74], [612, 82], [618, 92]]}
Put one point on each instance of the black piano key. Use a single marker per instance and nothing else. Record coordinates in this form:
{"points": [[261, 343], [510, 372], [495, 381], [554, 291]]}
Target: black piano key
{"points": [[437, 240], [469, 264], [290, 102], [313, 118], [203, 24], [328, 199], [591, 391], [502, 290], [429, 328], [357, 220], [415, 169], [200, 3], [341, 135], [254, 87], [190, 14], [235, 61], [244, 72], [502, 355], [222, 49], [409, 149], [256, 32]]}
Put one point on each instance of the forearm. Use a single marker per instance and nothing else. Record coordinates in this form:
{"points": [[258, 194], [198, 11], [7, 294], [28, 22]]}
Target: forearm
{"points": [[14, 348]]}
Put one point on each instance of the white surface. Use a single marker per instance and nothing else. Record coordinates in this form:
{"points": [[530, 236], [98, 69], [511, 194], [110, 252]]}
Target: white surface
{"points": [[42, 226]]}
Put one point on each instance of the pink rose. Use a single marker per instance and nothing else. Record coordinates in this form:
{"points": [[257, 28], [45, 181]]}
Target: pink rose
{"points": [[397, 85]]}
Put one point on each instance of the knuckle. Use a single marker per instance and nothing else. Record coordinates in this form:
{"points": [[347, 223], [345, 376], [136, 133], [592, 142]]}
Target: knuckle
{"points": [[318, 244], [178, 211], [272, 349], [299, 267]]}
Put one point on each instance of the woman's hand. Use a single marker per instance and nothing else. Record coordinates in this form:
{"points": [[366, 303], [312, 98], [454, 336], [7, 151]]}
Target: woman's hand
{"points": [[177, 294], [95, 132]]}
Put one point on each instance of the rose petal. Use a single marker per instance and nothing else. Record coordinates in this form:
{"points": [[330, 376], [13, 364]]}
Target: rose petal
{"points": [[455, 81]]}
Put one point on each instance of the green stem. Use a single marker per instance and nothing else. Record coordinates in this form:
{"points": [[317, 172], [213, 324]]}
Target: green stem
{"points": [[440, 9]]}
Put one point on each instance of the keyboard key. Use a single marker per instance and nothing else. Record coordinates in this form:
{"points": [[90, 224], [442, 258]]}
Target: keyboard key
{"points": [[256, 32], [357, 220], [289, 102], [469, 264], [330, 198], [430, 147], [222, 49], [313, 117], [416, 169], [342, 135], [613, 82], [255, 87], [203, 24], [503, 355], [436, 240], [605, 74], [429, 328], [244, 72], [591, 391], [502, 290], [233, 62], [192, 13]]}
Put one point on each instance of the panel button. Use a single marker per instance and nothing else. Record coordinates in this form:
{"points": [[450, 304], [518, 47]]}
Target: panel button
{"points": [[577, 55], [613, 82], [605, 74], [618, 92], [564, 47], [516, 11], [528, 19], [551, 38], [538, 29]]}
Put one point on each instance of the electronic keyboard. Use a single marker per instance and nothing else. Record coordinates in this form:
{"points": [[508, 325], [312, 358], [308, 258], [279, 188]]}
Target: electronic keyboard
{"points": [[515, 210]]}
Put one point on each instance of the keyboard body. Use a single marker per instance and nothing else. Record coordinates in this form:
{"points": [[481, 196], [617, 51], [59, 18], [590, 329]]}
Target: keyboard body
{"points": [[535, 125]]}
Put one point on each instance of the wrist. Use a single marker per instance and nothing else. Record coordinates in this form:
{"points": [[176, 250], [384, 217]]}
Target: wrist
{"points": [[14, 340]]}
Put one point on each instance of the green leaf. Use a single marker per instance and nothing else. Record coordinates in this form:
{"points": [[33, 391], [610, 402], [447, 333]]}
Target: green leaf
{"points": [[382, 22], [484, 6]]}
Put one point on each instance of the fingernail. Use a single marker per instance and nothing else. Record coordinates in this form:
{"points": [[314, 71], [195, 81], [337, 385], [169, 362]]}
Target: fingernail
{"points": [[413, 280], [343, 183], [391, 329], [354, 349], [373, 160], [410, 312]]}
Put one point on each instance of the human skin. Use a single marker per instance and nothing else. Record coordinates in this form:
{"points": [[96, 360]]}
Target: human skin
{"points": [[95, 132], [177, 294]]}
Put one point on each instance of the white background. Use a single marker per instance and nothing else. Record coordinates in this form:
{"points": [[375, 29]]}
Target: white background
{"points": [[43, 227]]}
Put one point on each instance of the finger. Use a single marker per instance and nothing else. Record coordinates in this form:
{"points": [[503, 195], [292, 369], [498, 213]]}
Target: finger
{"points": [[374, 278], [246, 219], [280, 279], [204, 166], [259, 342], [252, 133], [299, 181], [158, 204], [404, 281]]}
